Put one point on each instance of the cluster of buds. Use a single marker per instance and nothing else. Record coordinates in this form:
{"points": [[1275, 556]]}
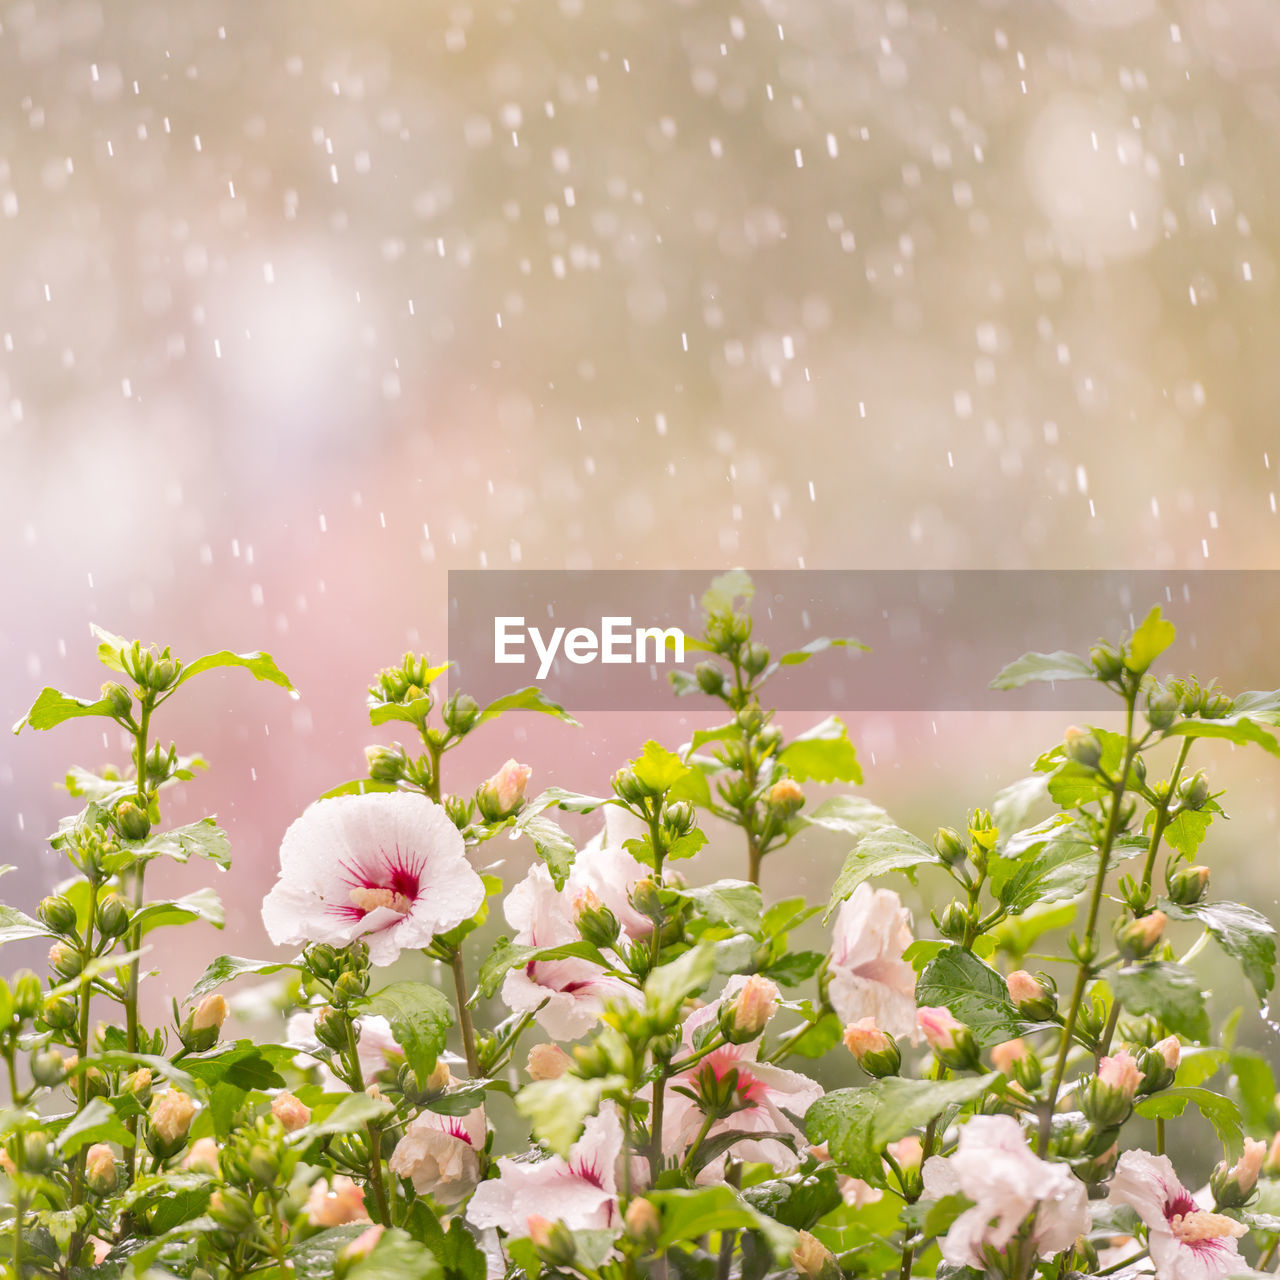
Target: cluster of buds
{"points": [[406, 684], [951, 1041], [460, 711], [745, 1016], [1106, 1098], [503, 794], [728, 633], [876, 1051], [1206, 701], [1234, 1185], [152, 669]]}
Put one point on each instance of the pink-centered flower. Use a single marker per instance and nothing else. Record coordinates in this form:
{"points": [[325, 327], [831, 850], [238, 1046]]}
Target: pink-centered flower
{"points": [[388, 867], [995, 1168], [767, 1094], [869, 977], [580, 1191], [440, 1154], [1185, 1241]]}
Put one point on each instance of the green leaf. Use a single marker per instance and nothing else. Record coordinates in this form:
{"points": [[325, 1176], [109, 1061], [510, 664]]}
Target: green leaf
{"points": [[243, 1065], [1254, 1085], [1220, 1112], [849, 815], [420, 1018], [857, 1124], [557, 1109], [1051, 667], [1015, 803], [262, 666], [1016, 935], [1258, 704], [726, 590], [349, 1116], [657, 768], [735, 903], [688, 1214], [1057, 868], [553, 843], [203, 904], [1187, 830], [98, 1122], [822, 754], [529, 699], [1198, 1064], [358, 787], [820, 1039], [1168, 991], [512, 955], [396, 1256], [798, 1200], [974, 992], [16, 927], [822, 643], [1238, 729], [52, 707], [1243, 933], [314, 1258], [1150, 640], [885, 849], [226, 968], [200, 839], [669, 985], [111, 647]]}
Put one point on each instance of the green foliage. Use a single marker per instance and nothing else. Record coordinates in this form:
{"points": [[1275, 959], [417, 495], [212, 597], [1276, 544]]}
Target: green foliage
{"points": [[420, 1018]]}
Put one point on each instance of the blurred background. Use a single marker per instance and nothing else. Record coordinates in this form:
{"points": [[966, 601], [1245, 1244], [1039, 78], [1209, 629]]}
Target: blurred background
{"points": [[301, 306]]}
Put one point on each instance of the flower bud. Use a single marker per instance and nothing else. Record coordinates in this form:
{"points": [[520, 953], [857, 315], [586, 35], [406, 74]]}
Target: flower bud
{"points": [[1035, 1000], [27, 994], [950, 848], [547, 1062], [60, 1013], [643, 1222], [1194, 791], [58, 914], [950, 1040], [503, 794], [203, 1157], [385, 764], [812, 1259], [1107, 1098], [710, 677], [908, 1152], [334, 1204], [119, 700], [264, 1163], [290, 1111], [1083, 746], [954, 921], [331, 1028], [596, 923], [755, 1003], [876, 1051], [786, 795], [553, 1241], [677, 816], [132, 822], [323, 960], [1162, 708], [647, 899], [65, 960], [200, 1028], [751, 719], [1138, 938], [100, 1169], [112, 916], [231, 1209], [138, 1083], [1015, 1059], [460, 712], [1187, 885], [1233, 1186], [627, 786], [1106, 660], [170, 1116], [755, 658], [37, 1152], [48, 1067], [1159, 1064]]}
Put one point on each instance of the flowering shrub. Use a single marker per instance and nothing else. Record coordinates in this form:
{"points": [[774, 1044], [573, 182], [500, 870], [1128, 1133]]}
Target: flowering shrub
{"points": [[645, 1101]]}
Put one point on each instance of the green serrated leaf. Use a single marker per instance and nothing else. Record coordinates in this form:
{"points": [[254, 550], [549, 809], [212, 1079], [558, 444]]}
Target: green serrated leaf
{"points": [[974, 992], [822, 754], [17, 927], [1149, 641], [511, 955], [227, 968], [1170, 992], [1220, 1112], [420, 1017], [262, 666], [883, 850], [52, 707], [98, 1122], [557, 1109], [1246, 935], [529, 699], [202, 904], [1051, 667], [658, 768]]}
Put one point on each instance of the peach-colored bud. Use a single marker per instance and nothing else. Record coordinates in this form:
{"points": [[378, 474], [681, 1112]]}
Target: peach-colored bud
{"points": [[1170, 1050], [908, 1152], [643, 1220], [1023, 988], [203, 1156], [548, 1062], [587, 900], [334, 1204], [100, 1168], [1272, 1163], [864, 1037], [375, 1093], [1120, 1072], [539, 1229], [137, 1082], [210, 1012], [171, 1114], [100, 1250], [1148, 930], [440, 1078], [506, 788], [755, 1005], [1245, 1170], [1003, 1056], [292, 1112], [811, 1257], [786, 793], [6, 1163], [364, 1244], [938, 1026]]}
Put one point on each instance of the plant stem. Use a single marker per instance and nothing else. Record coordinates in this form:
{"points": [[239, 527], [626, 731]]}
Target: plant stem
{"points": [[135, 934], [733, 1176], [372, 1128], [464, 1014], [1162, 817], [82, 1042], [707, 1122], [1084, 969], [655, 1125]]}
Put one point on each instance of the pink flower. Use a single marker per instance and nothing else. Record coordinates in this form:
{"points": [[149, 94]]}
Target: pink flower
{"points": [[389, 867], [580, 1191], [938, 1026], [569, 995], [1120, 1073], [440, 1154], [334, 1204], [994, 1167], [364, 1244], [869, 977], [765, 1091], [1185, 1241]]}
